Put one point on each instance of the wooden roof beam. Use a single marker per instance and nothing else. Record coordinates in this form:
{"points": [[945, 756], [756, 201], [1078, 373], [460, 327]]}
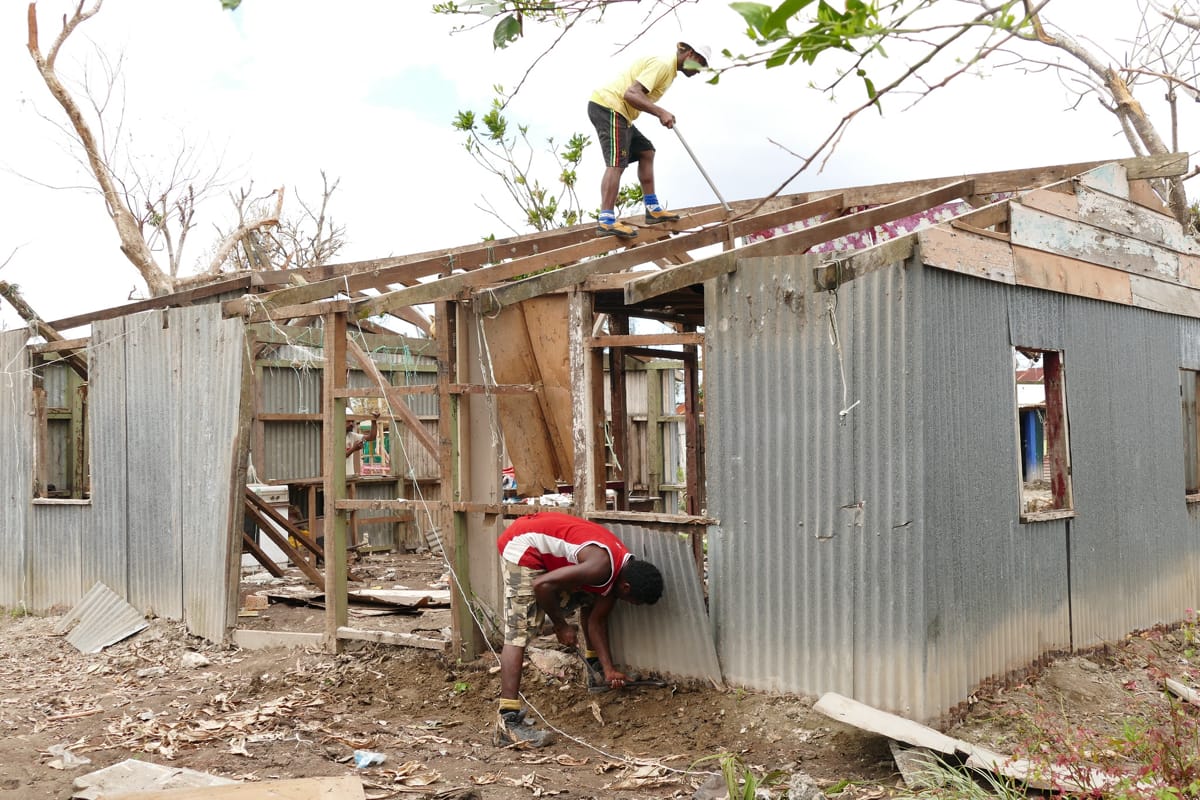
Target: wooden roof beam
{"points": [[74, 358], [491, 300], [452, 285], [641, 289]]}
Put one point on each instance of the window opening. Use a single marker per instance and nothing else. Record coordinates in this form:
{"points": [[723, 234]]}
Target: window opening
{"points": [[1042, 438], [61, 468], [1188, 380]]}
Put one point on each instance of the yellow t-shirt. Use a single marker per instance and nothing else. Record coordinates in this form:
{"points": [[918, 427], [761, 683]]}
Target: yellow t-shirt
{"points": [[655, 73]]}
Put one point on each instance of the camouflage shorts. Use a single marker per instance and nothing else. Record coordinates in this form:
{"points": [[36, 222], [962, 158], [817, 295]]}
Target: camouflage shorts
{"points": [[523, 617]]}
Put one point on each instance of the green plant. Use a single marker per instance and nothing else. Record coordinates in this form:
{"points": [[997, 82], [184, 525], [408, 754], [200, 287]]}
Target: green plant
{"points": [[505, 150], [461, 687], [741, 780], [947, 782]]}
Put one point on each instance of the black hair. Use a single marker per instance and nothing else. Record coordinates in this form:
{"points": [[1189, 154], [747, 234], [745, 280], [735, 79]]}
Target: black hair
{"points": [[644, 579]]}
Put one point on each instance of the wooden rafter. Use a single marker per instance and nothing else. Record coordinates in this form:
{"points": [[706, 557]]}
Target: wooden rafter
{"points": [[395, 402], [75, 358], [493, 299], [799, 241]]}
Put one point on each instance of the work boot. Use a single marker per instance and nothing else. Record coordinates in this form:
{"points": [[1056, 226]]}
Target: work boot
{"points": [[512, 729], [616, 228], [660, 215]]}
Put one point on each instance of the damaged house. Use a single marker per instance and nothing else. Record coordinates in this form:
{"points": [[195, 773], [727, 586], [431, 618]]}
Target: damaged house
{"points": [[805, 411]]}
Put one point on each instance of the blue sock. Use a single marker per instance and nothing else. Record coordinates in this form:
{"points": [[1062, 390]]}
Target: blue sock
{"points": [[651, 201], [607, 216]]}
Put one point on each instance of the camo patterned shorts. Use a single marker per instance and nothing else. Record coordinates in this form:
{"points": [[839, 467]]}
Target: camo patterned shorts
{"points": [[523, 617]]}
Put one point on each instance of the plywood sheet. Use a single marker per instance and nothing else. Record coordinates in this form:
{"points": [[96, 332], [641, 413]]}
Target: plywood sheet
{"points": [[528, 437]]}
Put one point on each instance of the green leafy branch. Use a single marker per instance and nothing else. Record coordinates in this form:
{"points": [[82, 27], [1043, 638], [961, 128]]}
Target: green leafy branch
{"points": [[504, 149]]}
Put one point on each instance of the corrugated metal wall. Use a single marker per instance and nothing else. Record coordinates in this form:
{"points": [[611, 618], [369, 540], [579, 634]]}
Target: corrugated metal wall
{"points": [[292, 450], [16, 470], [164, 396], [673, 636], [996, 592], [883, 556], [816, 567]]}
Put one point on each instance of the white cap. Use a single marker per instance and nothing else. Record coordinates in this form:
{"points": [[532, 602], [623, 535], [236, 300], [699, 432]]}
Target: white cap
{"points": [[701, 50]]}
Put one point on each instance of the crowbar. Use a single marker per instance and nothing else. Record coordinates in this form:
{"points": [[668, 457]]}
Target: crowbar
{"points": [[700, 167]]}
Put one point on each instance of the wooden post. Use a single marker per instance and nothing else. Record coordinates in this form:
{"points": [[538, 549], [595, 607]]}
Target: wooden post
{"points": [[620, 412], [465, 638], [691, 423], [78, 468], [654, 447], [41, 441], [1057, 451], [333, 439], [587, 391]]}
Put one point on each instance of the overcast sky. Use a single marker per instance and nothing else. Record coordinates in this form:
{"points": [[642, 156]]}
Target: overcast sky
{"points": [[281, 89]]}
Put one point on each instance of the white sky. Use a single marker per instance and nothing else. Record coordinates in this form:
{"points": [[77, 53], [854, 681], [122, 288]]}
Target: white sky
{"points": [[281, 89]]}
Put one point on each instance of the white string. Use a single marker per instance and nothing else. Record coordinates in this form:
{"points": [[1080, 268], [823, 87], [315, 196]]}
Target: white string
{"points": [[831, 306]]}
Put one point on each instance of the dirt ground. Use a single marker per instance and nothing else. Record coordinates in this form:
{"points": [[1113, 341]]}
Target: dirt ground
{"points": [[264, 714]]}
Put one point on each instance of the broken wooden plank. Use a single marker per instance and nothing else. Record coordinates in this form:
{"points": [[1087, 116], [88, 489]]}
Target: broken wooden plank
{"points": [[864, 717], [262, 640], [75, 360], [395, 403], [389, 637], [794, 243], [1183, 692], [346, 787], [968, 254]]}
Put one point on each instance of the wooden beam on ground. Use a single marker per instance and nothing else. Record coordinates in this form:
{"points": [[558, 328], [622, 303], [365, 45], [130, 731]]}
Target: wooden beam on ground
{"points": [[75, 360], [797, 242], [389, 637], [492, 300], [395, 402]]}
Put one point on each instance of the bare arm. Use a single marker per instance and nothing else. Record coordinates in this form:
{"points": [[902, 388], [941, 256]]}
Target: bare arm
{"points": [[593, 569], [597, 638], [636, 96]]}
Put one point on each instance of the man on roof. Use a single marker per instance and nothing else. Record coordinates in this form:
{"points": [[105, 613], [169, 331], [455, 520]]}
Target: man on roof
{"points": [[551, 564], [613, 108]]}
